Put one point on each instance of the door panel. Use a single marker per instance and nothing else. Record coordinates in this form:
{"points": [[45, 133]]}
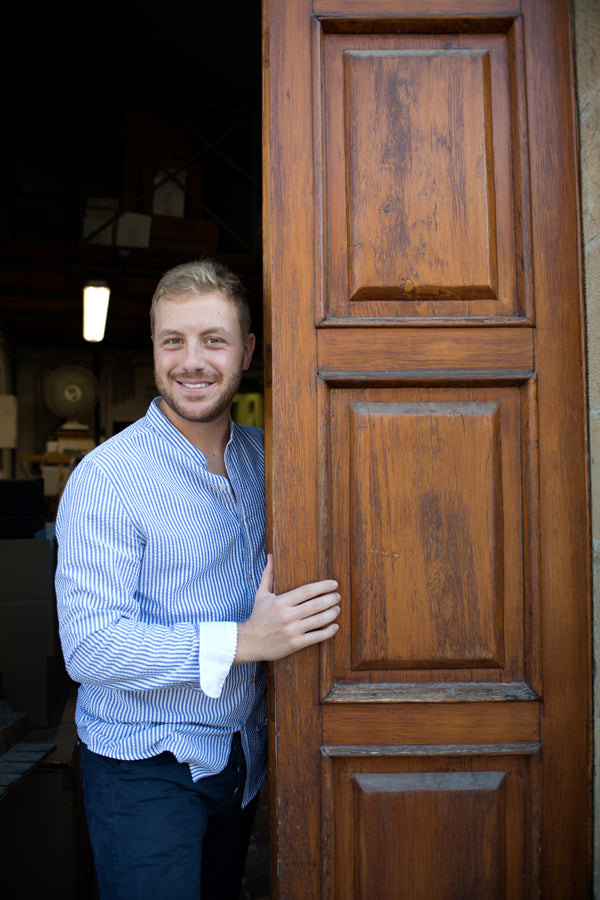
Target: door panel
{"points": [[467, 820], [421, 207], [426, 594], [425, 416], [468, 807]]}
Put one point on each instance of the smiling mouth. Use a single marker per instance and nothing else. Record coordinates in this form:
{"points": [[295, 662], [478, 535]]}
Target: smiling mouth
{"points": [[195, 386]]}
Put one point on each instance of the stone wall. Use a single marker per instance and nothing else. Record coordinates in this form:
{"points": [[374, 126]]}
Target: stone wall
{"points": [[587, 63]]}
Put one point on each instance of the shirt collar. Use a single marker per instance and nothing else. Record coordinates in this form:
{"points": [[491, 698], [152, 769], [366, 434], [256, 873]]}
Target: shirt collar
{"points": [[159, 422]]}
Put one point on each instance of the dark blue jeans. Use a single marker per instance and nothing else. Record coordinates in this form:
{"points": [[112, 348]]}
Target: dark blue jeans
{"points": [[157, 835]]}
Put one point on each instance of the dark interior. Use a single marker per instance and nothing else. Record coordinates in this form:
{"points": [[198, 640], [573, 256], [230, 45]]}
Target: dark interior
{"points": [[131, 142], [99, 103]]}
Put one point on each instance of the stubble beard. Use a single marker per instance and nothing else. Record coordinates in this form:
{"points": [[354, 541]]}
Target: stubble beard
{"points": [[184, 409]]}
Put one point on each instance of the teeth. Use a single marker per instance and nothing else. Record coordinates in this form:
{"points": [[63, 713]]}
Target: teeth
{"points": [[202, 384]]}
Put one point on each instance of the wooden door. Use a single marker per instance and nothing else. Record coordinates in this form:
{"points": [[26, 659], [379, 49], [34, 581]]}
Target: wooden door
{"points": [[426, 434]]}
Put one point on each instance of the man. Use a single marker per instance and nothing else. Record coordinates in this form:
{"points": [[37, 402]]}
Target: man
{"points": [[166, 610]]}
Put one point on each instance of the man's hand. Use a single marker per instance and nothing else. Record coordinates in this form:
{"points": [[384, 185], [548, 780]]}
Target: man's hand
{"points": [[280, 625]]}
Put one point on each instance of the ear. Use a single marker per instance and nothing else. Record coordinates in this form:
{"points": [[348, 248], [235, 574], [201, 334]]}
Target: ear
{"points": [[249, 345]]}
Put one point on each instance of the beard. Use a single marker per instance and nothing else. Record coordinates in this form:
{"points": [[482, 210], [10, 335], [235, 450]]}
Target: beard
{"points": [[200, 408]]}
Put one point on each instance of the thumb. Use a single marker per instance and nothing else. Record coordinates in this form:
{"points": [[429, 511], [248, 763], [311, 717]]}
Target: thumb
{"points": [[266, 581]]}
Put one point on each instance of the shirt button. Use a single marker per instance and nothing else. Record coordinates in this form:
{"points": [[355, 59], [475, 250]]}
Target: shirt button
{"points": [[249, 576], [223, 487]]}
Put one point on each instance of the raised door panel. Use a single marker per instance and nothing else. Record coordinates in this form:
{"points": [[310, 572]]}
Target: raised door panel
{"points": [[425, 186], [405, 231], [419, 824], [434, 497], [468, 808], [425, 483]]}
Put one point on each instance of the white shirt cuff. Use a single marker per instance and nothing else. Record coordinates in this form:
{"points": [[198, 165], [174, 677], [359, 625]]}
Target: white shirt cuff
{"points": [[218, 645]]}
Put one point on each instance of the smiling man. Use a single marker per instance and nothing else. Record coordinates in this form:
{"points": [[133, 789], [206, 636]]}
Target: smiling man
{"points": [[201, 347], [167, 612]]}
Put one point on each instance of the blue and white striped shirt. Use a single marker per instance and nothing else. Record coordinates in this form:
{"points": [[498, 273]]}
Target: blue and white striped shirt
{"points": [[158, 559]]}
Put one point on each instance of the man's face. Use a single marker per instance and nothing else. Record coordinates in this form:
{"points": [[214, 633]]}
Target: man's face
{"points": [[199, 355]]}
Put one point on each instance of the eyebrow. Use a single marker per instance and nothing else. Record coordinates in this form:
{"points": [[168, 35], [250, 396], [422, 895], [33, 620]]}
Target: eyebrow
{"points": [[173, 332]]}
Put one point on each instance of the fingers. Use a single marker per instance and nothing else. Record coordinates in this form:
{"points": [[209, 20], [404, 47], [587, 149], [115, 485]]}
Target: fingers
{"points": [[282, 624], [311, 608], [320, 621], [309, 591], [317, 637], [315, 621]]}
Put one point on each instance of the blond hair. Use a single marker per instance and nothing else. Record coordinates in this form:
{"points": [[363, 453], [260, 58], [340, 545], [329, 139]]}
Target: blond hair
{"points": [[202, 276]]}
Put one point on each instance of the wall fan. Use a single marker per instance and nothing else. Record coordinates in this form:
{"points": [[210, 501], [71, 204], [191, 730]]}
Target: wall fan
{"points": [[71, 392]]}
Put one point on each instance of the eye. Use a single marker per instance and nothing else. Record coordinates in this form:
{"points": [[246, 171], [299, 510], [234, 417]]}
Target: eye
{"points": [[215, 340]]}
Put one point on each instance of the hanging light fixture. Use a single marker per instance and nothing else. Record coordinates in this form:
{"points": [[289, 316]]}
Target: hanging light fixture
{"points": [[96, 295]]}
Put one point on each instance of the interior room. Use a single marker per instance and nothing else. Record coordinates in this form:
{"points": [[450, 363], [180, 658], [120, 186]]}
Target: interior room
{"points": [[131, 143]]}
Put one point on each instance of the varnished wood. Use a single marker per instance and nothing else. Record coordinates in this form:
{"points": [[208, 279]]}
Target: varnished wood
{"points": [[422, 750], [468, 808], [391, 350], [429, 692], [426, 434], [403, 250], [406, 8], [398, 468], [564, 524], [424, 264], [425, 561], [290, 248], [423, 723], [512, 772]]}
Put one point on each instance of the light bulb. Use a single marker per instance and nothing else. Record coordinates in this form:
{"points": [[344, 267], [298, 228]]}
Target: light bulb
{"points": [[95, 309]]}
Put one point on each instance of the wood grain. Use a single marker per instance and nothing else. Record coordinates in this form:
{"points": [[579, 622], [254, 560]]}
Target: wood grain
{"points": [[427, 432]]}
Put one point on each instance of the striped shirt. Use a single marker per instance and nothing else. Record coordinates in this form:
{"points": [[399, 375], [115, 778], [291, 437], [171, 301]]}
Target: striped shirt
{"points": [[158, 559]]}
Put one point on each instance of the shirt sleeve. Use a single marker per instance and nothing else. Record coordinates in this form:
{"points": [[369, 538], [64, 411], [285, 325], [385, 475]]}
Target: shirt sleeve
{"points": [[105, 638], [218, 645]]}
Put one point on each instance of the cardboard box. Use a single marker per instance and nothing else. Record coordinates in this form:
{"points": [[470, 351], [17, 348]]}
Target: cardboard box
{"points": [[98, 222], [133, 230], [8, 421], [168, 197]]}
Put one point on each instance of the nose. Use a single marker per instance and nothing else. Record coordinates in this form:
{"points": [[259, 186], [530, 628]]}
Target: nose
{"points": [[194, 356]]}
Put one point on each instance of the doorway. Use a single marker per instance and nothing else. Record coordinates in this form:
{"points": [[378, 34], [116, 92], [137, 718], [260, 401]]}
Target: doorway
{"points": [[131, 143]]}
